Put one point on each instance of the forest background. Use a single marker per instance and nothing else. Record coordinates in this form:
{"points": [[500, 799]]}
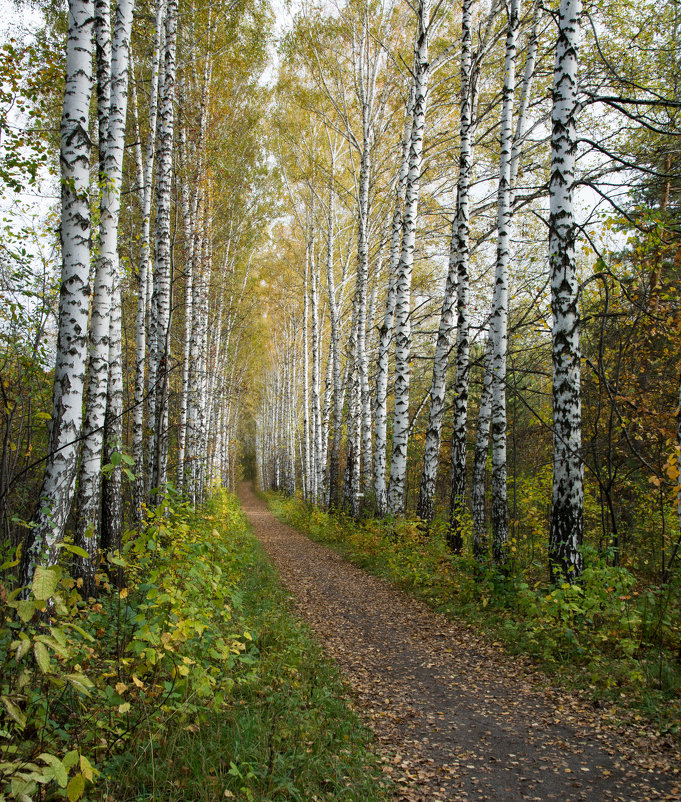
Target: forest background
{"points": [[419, 272]]}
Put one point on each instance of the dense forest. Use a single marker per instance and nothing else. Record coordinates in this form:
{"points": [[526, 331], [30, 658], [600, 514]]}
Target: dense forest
{"points": [[413, 267]]}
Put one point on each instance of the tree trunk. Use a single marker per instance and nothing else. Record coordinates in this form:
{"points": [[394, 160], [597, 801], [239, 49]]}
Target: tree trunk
{"points": [[398, 462], [480, 459], [161, 292], [499, 317], [145, 271], [431, 454], [56, 492], [568, 490], [386, 333]]}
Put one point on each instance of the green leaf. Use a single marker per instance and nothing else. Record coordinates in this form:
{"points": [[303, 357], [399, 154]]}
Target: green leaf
{"points": [[42, 656], [45, 581], [74, 550], [80, 682], [22, 649], [25, 609], [15, 712], [75, 788], [116, 458], [70, 759], [60, 773]]}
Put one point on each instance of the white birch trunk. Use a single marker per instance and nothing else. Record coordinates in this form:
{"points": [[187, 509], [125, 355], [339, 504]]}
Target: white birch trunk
{"points": [[188, 311], [568, 490], [161, 292], [307, 473], [461, 247], [316, 388], [398, 463], [144, 276], [386, 333], [106, 313], [431, 453], [480, 458], [56, 492], [499, 317]]}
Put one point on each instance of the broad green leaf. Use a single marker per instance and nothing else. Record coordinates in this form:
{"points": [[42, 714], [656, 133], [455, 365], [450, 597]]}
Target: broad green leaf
{"points": [[42, 656], [75, 550], [80, 682], [75, 788], [22, 649], [60, 773], [25, 609], [45, 581], [70, 759], [15, 712]]}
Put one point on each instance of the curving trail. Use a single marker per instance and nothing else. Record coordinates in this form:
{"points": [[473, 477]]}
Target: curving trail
{"points": [[456, 718]]}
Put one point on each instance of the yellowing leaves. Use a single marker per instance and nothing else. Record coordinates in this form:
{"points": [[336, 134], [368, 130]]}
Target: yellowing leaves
{"points": [[45, 581]]}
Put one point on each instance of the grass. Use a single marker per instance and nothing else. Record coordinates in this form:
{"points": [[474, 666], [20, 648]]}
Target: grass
{"points": [[287, 731], [608, 636]]}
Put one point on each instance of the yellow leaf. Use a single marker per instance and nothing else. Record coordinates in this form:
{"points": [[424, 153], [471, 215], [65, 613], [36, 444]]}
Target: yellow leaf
{"points": [[124, 593], [124, 707], [45, 582], [121, 688], [75, 788], [137, 681], [87, 768]]}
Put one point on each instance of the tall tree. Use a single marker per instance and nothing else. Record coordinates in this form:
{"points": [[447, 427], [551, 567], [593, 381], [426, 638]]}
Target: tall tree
{"points": [[568, 486], [56, 493]]}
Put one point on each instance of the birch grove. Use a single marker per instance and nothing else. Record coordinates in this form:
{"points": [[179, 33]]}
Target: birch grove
{"points": [[392, 271]]}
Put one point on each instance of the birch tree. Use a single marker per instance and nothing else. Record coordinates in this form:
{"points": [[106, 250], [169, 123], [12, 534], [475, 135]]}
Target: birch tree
{"points": [[56, 493], [568, 491], [145, 167], [159, 369], [398, 463], [105, 318], [386, 332], [441, 359], [498, 326]]}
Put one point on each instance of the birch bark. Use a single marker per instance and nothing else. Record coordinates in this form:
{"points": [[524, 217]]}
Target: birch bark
{"points": [[446, 326], [386, 333], [499, 318], [161, 291], [398, 463], [568, 491], [56, 492], [105, 370], [145, 273], [480, 458]]}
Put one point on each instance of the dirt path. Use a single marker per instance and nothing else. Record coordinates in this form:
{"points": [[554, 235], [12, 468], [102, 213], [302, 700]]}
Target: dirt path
{"points": [[457, 718]]}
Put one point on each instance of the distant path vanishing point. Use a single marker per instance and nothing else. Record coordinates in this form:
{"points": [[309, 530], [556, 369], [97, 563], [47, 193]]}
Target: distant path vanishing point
{"points": [[457, 718]]}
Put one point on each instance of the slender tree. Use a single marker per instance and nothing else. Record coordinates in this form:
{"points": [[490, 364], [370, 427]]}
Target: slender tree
{"points": [[568, 489], [56, 493]]}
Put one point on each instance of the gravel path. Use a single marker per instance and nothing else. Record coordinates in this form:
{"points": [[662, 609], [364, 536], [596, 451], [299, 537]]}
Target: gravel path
{"points": [[456, 717]]}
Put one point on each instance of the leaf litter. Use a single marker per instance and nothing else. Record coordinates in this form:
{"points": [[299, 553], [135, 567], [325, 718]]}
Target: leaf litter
{"points": [[455, 717]]}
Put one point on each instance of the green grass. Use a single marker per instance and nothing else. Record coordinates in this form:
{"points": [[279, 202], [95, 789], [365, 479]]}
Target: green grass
{"points": [[285, 732], [609, 636]]}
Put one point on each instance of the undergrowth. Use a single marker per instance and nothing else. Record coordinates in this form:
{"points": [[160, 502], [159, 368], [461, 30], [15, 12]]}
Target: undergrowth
{"points": [[608, 634], [193, 682]]}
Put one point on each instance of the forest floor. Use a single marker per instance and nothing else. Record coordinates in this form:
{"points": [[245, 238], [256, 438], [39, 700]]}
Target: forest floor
{"points": [[457, 718]]}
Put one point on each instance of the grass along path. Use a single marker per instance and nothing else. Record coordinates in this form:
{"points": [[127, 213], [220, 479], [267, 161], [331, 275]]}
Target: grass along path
{"points": [[285, 730], [456, 718]]}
